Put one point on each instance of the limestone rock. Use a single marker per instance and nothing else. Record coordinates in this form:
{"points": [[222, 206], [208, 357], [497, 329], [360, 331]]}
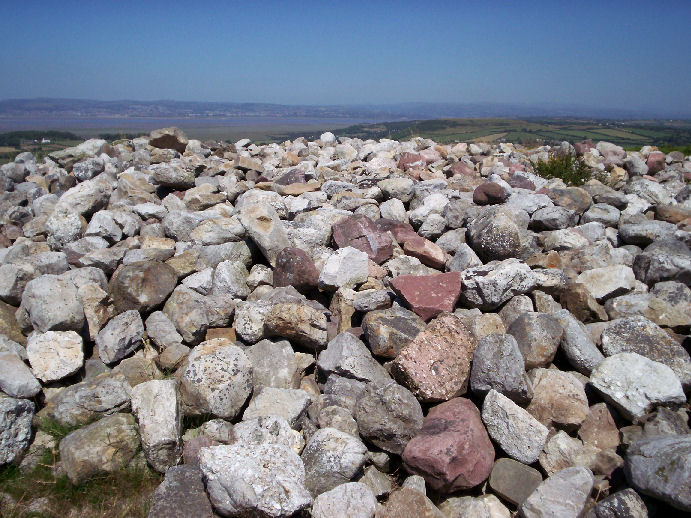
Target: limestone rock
{"points": [[55, 355]]}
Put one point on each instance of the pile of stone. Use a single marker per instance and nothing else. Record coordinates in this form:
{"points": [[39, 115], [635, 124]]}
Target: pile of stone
{"points": [[356, 328]]}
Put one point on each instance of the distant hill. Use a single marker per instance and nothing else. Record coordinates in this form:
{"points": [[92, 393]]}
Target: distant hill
{"points": [[84, 108]]}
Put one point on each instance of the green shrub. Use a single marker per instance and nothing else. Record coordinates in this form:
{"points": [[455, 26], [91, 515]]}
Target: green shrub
{"points": [[570, 168]]}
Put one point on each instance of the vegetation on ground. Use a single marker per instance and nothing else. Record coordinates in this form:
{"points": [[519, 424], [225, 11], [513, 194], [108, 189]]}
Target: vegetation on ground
{"points": [[567, 166]]}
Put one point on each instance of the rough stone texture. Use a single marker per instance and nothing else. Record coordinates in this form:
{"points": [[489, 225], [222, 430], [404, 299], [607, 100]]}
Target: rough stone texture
{"points": [[53, 304], [15, 427], [156, 405], [577, 344], [181, 495], [266, 229], [351, 500], [142, 286], [16, 379], [559, 398], [495, 236], [295, 268], [487, 287], [217, 380], [564, 494], [331, 458], [299, 323], [517, 432], [390, 330], [120, 337], [346, 268], [452, 450], [599, 428], [347, 356], [408, 502], [661, 467], [664, 260], [55, 355], [271, 429], [291, 404], [607, 282], [388, 415], [273, 364], [641, 336], [622, 504], [8, 324], [105, 446], [429, 295], [498, 365], [360, 232], [254, 480], [538, 336], [634, 384], [435, 365], [514, 481]]}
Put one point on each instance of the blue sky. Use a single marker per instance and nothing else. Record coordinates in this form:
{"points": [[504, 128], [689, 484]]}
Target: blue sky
{"points": [[602, 54]]}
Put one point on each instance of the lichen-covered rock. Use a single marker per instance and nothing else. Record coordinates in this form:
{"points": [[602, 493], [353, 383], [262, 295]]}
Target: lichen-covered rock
{"points": [[15, 427]]}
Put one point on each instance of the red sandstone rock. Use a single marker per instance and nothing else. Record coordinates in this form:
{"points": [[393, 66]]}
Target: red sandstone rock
{"points": [[452, 451], [489, 193], [402, 232], [656, 162], [429, 253], [410, 160], [295, 268], [429, 295], [360, 232], [435, 365]]}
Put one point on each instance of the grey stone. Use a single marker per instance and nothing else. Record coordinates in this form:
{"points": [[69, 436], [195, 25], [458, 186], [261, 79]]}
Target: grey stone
{"points": [[514, 481], [499, 365], [663, 260], [16, 379], [487, 287], [230, 280], [390, 330], [577, 343], [266, 229], [271, 429], [53, 304], [254, 480], [15, 427], [346, 268], [121, 336], [157, 408], [564, 494], [331, 458], [55, 354], [538, 336], [161, 330], [495, 236], [388, 415], [291, 404], [347, 356], [181, 495], [274, 364], [607, 282], [634, 384], [660, 467], [350, 500], [622, 504], [518, 433]]}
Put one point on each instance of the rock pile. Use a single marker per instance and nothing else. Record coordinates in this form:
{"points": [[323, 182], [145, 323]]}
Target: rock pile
{"points": [[358, 328]]}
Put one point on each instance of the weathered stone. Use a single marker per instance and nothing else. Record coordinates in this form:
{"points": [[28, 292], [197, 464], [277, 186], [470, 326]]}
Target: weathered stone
{"points": [[55, 355], [435, 365], [563, 451], [291, 404], [429, 253], [622, 504], [429, 295], [518, 433], [408, 502], [120, 337], [16, 379], [272, 429], [641, 336], [559, 398], [331, 458], [581, 303], [664, 260], [564, 494], [105, 446], [360, 232], [274, 364], [217, 380], [181, 494], [452, 450], [499, 365], [230, 280], [577, 343], [346, 268], [295, 268], [489, 193], [53, 304], [156, 405], [347, 356], [266, 229], [388, 415], [8, 324], [15, 427], [607, 282], [142, 286], [495, 236], [538, 336], [350, 500], [489, 286], [599, 428], [633, 384], [169, 138], [661, 467], [390, 330], [297, 322], [254, 479], [514, 481]]}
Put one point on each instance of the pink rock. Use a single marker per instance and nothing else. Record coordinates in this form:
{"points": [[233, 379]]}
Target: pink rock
{"points": [[435, 365], [452, 451], [521, 182], [583, 147], [429, 253], [295, 268], [463, 169], [430, 155], [489, 193], [402, 232], [360, 232], [429, 295], [656, 162], [409, 161]]}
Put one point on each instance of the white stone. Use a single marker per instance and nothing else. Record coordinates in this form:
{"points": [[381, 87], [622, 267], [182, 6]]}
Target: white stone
{"points": [[55, 354]]}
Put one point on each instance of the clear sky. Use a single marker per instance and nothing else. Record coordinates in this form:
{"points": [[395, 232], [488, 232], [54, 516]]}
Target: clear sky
{"points": [[603, 53]]}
